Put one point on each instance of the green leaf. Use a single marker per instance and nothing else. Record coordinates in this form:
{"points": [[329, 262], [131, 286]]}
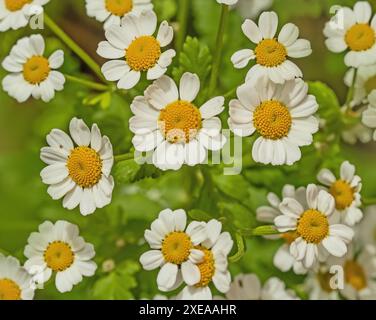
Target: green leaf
{"points": [[194, 58], [118, 284], [126, 171], [199, 215], [237, 215], [235, 187]]}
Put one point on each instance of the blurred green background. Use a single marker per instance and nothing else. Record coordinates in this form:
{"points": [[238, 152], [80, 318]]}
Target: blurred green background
{"points": [[142, 192]]}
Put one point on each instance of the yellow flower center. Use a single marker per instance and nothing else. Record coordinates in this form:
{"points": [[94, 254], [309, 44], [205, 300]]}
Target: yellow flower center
{"points": [[343, 193], [119, 7], [15, 5], [313, 226], [272, 120], [36, 69], [355, 275], [9, 290], [207, 268], [176, 247], [289, 237], [58, 256], [85, 166], [370, 84], [270, 53], [360, 37], [324, 281], [143, 53], [180, 121]]}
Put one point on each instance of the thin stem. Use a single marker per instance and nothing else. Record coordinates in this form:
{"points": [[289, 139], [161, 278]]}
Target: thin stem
{"points": [[241, 249], [259, 231], [74, 47], [124, 157], [182, 21], [87, 83], [218, 49], [230, 93], [350, 94]]}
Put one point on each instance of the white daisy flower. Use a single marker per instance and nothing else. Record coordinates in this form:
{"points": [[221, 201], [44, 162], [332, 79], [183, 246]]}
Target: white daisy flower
{"points": [[82, 173], [365, 231], [140, 51], [112, 11], [31, 73], [214, 267], [271, 54], [352, 30], [369, 115], [15, 282], [365, 83], [252, 8], [283, 116], [346, 193], [174, 249], [59, 248], [168, 123], [15, 14], [283, 260], [249, 287], [317, 285], [359, 132], [317, 237]]}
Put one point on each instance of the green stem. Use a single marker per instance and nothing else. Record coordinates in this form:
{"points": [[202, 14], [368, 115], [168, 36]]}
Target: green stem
{"points": [[241, 249], [74, 47], [230, 93], [368, 201], [182, 21], [87, 83], [124, 157], [350, 94], [260, 231], [218, 49]]}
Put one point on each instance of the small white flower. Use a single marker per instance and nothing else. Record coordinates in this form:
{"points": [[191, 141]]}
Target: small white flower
{"points": [[15, 282], [365, 83], [252, 8], [80, 174], [140, 51], [346, 193], [352, 30], [59, 248], [214, 267], [317, 285], [31, 73], [283, 260], [283, 116], [174, 249], [272, 54], [317, 237], [15, 14], [249, 287], [168, 123], [369, 115], [112, 11], [359, 132]]}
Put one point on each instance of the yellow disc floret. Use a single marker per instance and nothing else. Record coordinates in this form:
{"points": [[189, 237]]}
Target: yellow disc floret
{"points": [[9, 290], [119, 7], [176, 247], [16, 5], [36, 69], [343, 193], [58, 256], [180, 121], [272, 120], [313, 226], [360, 37], [270, 53], [355, 275], [85, 166], [143, 53], [207, 267]]}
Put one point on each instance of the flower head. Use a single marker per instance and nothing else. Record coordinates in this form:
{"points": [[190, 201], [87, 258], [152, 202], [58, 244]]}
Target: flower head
{"points": [[369, 115], [32, 74], [271, 53], [282, 115], [168, 123], [59, 248], [134, 42], [81, 173]]}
